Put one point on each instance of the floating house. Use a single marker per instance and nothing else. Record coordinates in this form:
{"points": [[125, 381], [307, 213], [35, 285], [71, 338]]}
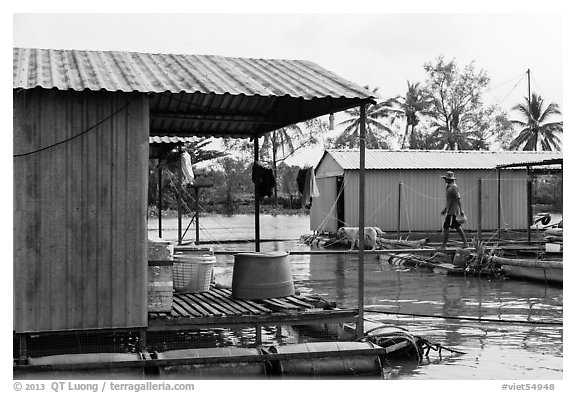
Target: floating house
{"points": [[405, 192], [82, 123]]}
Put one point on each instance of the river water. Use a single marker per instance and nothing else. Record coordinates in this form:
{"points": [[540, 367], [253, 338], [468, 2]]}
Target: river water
{"points": [[526, 345]]}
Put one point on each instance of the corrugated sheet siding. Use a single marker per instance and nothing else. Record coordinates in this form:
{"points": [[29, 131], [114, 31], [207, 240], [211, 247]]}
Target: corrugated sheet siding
{"points": [[80, 211], [435, 159], [157, 73], [423, 197], [323, 214]]}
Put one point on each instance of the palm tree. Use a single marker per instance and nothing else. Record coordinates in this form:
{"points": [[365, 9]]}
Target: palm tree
{"points": [[535, 130], [280, 139], [374, 127], [416, 101]]}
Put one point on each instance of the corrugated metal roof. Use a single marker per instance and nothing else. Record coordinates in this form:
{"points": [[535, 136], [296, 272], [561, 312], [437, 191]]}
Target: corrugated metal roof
{"points": [[172, 139], [158, 73], [436, 159]]}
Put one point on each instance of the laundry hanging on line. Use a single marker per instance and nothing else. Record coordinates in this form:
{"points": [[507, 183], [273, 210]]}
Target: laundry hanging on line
{"points": [[186, 164], [306, 180], [263, 179]]}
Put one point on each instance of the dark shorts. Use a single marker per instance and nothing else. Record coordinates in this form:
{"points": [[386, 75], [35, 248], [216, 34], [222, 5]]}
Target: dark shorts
{"points": [[451, 222]]}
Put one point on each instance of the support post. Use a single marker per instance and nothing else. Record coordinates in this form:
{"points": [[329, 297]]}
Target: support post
{"points": [[361, 190], [142, 338], [399, 209], [258, 334], [22, 346], [479, 229], [499, 204], [529, 201], [196, 196], [256, 203], [159, 199], [179, 195]]}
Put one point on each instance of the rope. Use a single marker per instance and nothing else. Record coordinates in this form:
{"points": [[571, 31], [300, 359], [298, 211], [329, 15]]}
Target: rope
{"points": [[77, 135], [467, 318], [381, 204]]}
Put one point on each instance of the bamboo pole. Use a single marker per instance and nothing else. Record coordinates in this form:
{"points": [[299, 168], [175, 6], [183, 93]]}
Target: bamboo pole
{"points": [[499, 204], [399, 209], [196, 196], [256, 203], [179, 194], [361, 189], [159, 199], [479, 227]]}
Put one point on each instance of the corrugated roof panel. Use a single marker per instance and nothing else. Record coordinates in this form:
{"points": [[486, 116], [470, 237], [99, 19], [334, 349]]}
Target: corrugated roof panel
{"points": [[436, 159], [172, 139], [157, 73]]}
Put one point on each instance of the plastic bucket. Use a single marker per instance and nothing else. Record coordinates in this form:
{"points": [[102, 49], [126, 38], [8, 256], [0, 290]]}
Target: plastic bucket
{"points": [[110, 372], [342, 365], [236, 369], [193, 272], [262, 275]]}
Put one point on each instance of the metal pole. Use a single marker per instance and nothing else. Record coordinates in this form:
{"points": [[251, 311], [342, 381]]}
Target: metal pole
{"points": [[362, 184], [479, 229], [529, 201], [499, 204], [399, 208], [179, 194], [256, 203], [197, 195], [159, 199]]}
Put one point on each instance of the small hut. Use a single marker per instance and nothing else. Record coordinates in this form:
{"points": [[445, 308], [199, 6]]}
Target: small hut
{"points": [[404, 190], [82, 122]]}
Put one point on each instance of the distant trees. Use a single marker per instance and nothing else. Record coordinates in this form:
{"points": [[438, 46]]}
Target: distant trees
{"points": [[415, 103], [457, 104], [376, 129], [537, 129]]}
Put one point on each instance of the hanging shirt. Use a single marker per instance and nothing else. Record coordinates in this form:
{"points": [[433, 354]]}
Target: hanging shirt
{"points": [[264, 180], [308, 189], [186, 164]]}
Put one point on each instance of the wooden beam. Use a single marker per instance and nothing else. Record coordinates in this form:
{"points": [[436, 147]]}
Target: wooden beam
{"points": [[242, 119], [361, 196]]}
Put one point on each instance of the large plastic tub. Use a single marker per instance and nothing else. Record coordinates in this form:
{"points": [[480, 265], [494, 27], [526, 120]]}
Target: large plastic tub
{"points": [[262, 275]]}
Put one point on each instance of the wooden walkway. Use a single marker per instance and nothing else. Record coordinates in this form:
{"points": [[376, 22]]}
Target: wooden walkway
{"points": [[217, 308]]}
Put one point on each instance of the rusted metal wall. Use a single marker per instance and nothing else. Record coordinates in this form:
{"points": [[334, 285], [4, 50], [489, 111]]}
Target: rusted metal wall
{"points": [[423, 197], [80, 210]]}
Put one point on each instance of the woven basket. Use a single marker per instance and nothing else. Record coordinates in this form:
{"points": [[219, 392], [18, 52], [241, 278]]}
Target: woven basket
{"points": [[193, 272]]}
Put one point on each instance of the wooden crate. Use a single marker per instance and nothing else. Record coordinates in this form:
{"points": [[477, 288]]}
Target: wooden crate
{"points": [[160, 278]]}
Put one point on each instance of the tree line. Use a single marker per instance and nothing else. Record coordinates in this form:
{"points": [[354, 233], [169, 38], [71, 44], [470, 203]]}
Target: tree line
{"points": [[444, 112]]}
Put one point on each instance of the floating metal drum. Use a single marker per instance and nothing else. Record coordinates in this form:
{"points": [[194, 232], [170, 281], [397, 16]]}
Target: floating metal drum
{"points": [[108, 372], [236, 369], [262, 275], [342, 365]]}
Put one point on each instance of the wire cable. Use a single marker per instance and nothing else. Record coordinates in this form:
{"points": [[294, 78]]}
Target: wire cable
{"points": [[77, 135]]}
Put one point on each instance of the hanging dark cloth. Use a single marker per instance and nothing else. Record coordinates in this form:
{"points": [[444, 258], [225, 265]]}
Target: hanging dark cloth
{"points": [[264, 180], [307, 186], [301, 179]]}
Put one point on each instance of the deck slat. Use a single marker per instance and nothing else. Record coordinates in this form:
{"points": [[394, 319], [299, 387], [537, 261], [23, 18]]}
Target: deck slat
{"points": [[210, 303], [232, 303], [255, 307], [178, 309], [300, 302], [190, 304], [222, 303]]}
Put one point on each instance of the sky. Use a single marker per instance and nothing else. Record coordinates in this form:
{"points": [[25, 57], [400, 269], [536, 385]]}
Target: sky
{"points": [[379, 49]]}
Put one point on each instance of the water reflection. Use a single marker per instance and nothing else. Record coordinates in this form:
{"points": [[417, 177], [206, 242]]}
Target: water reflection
{"points": [[493, 350]]}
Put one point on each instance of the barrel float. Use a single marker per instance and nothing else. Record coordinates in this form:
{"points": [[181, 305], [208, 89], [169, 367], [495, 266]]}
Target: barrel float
{"points": [[342, 365], [236, 369], [106, 360]]}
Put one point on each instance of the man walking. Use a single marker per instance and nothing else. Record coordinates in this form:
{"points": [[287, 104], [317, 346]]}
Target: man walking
{"points": [[453, 209]]}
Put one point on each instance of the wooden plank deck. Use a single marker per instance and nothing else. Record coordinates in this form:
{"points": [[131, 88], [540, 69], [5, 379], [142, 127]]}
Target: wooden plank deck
{"points": [[217, 308]]}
